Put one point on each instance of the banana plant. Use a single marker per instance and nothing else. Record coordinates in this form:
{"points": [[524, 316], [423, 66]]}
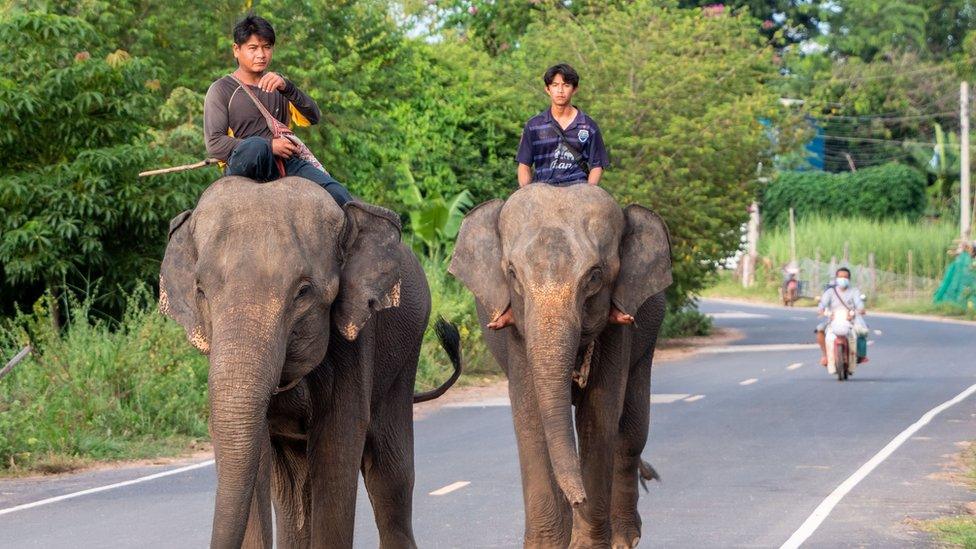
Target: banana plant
{"points": [[434, 219]]}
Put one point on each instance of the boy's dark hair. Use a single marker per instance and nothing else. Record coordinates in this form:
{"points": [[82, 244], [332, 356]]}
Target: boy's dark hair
{"points": [[250, 25], [569, 74], [843, 270]]}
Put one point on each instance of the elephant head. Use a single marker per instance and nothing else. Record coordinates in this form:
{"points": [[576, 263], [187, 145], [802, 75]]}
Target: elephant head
{"points": [[257, 274], [559, 257]]}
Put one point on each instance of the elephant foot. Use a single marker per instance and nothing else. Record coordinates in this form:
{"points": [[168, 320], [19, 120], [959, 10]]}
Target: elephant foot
{"points": [[626, 531], [625, 542]]}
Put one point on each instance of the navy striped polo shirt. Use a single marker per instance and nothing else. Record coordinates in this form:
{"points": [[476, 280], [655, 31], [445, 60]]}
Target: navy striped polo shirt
{"points": [[542, 148]]}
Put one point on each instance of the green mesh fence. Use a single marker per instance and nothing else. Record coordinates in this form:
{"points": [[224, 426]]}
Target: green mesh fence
{"points": [[959, 284]]}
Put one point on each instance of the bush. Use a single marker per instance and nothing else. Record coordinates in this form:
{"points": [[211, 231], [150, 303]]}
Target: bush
{"points": [[684, 322], [99, 389], [880, 192]]}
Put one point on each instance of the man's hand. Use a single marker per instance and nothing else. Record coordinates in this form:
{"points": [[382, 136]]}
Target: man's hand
{"points": [[283, 147], [524, 174], [271, 81]]}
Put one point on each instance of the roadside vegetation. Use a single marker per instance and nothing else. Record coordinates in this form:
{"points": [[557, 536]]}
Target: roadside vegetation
{"points": [[958, 531]]}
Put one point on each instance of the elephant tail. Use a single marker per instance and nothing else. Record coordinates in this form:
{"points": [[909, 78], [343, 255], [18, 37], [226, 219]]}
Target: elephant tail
{"points": [[450, 339], [647, 473]]}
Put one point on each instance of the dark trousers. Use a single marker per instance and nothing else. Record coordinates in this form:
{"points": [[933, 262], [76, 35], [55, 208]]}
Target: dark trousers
{"points": [[252, 158]]}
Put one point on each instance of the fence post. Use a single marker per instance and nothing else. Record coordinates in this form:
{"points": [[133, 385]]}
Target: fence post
{"points": [[833, 267], [873, 273], [911, 277], [847, 253], [817, 288]]}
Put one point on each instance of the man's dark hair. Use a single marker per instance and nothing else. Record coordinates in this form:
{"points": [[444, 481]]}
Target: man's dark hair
{"points": [[250, 25], [569, 74], [843, 270]]}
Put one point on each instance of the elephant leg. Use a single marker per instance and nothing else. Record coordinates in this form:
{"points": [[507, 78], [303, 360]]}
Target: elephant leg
{"points": [[336, 441], [259, 531], [634, 422], [388, 465], [548, 518], [289, 483], [597, 418]]}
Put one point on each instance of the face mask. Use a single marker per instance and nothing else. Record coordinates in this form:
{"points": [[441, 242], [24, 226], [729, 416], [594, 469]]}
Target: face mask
{"points": [[843, 283]]}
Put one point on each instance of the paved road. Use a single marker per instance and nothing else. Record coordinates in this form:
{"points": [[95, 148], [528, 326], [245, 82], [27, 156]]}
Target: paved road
{"points": [[749, 442]]}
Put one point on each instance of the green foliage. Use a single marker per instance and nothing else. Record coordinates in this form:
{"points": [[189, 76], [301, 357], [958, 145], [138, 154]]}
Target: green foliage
{"points": [[75, 133], [679, 96], [881, 192], [434, 220], [889, 240], [684, 322], [99, 390]]}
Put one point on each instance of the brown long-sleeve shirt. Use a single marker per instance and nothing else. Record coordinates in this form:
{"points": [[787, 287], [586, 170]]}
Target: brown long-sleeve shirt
{"points": [[228, 106]]}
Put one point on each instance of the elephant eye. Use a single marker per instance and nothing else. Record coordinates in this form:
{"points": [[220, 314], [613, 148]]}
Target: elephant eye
{"points": [[303, 290], [595, 279]]}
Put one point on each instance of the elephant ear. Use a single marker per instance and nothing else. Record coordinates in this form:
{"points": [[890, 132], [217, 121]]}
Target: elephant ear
{"points": [[477, 257], [370, 277], [177, 282], [645, 259]]}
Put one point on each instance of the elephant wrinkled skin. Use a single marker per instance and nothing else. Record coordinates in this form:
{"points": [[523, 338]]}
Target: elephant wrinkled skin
{"points": [[312, 316], [559, 256]]}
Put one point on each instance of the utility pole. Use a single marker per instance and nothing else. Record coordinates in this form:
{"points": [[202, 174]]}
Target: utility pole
{"points": [[964, 203], [752, 247]]}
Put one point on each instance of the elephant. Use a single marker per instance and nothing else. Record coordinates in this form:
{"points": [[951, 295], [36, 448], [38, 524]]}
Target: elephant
{"points": [[312, 317], [559, 258]]}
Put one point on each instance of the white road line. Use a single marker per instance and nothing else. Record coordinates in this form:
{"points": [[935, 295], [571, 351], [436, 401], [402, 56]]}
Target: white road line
{"points": [[450, 488], [794, 366], [759, 348], [72, 495], [734, 315], [499, 401], [820, 514], [694, 398], [667, 398], [749, 381]]}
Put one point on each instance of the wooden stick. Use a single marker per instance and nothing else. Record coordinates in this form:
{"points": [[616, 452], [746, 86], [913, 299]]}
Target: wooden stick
{"points": [[183, 168], [15, 360]]}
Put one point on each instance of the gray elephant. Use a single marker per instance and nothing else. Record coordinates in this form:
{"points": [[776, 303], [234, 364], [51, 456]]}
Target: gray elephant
{"points": [[312, 316], [559, 257]]}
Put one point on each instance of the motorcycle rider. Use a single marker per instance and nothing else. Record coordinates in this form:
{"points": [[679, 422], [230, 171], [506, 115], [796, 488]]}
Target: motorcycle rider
{"points": [[839, 296]]}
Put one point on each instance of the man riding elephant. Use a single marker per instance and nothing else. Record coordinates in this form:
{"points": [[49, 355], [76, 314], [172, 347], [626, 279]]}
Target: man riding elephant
{"points": [[236, 130]]}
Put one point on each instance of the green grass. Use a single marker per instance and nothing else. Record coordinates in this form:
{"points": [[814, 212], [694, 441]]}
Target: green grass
{"points": [[99, 390], [889, 240], [958, 531]]}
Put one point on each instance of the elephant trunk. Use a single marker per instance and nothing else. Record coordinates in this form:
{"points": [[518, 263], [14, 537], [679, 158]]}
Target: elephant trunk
{"points": [[245, 366], [551, 346]]}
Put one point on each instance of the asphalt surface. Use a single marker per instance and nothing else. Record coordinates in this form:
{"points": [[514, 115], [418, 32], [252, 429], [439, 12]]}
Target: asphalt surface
{"points": [[749, 441]]}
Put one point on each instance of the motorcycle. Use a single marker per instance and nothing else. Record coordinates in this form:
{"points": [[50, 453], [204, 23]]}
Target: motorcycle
{"points": [[791, 292], [841, 344]]}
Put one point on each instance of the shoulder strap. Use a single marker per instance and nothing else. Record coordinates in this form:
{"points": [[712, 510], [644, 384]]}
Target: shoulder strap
{"points": [[841, 299], [268, 119]]}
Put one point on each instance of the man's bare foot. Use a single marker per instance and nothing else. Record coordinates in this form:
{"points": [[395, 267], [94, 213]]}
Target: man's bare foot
{"points": [[619, 317], [862, 359], [823, 361], [503, 320]]}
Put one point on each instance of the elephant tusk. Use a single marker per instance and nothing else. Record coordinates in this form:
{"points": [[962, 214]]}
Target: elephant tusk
{"points": [[580, 376]]}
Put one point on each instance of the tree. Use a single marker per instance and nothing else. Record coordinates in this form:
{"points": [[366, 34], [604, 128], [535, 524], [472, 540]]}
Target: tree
{"points": [[681, 98], [781, 21], [74, 135], [870, 28]]}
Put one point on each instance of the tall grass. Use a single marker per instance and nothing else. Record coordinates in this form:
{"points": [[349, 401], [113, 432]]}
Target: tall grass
{"points": [[99, 389], [889, 240], [456, 304]]}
